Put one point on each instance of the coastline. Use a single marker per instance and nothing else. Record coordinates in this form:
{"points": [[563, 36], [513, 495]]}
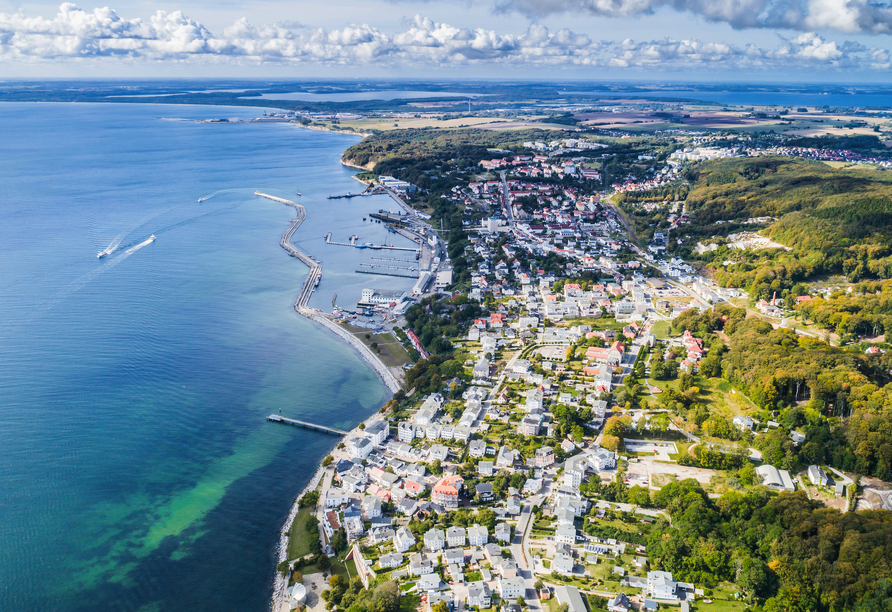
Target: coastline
{"points": [[280, 584]]}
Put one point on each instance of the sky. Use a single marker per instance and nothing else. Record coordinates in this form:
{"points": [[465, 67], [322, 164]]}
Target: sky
{"points": [[698, 40]]}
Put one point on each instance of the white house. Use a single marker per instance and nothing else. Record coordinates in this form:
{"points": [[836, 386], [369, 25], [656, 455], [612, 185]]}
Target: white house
{"points": [[479, 595], [817, 476], [743, 422], [390, 560], [434, 540], [562, 563], [377, 431], [478, 535], [660, 585], [455, 536], [602, 459], [481, 368], [405, 431], [565, 534], [371, 505], [335, 497], [484, 468], [512, 588], [420, 564], [477, 448], [574, 471], [503, 532], [360, 448], [403, 540]]}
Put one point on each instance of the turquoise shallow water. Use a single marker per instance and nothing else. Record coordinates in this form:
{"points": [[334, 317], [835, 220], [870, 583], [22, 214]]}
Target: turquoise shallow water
{"points": [[137, 471]]}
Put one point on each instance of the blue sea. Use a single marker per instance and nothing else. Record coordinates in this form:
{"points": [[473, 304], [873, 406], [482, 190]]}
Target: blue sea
{"points": [[137, 470]]}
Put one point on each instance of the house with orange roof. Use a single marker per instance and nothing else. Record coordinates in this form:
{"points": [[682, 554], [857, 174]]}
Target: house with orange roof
{"points": [[446, 491]]}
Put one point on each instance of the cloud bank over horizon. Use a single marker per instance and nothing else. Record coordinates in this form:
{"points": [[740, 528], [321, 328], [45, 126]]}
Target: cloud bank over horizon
{"points": [[75, 34], [846, 16]]}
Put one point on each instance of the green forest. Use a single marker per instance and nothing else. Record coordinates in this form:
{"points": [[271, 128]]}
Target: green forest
{"points": [[792, 553], [841, 399], [834, 221]]}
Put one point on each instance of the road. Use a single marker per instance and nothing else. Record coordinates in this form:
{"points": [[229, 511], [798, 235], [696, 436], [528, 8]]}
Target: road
{"points": [[520, 545], [520, 552], [501, 378], [505, 198], [623, 221]]}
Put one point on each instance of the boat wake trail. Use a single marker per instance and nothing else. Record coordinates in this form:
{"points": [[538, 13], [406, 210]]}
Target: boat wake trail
{"points": [[116, 243], [208, 197], [78, 283], [113, 245]]}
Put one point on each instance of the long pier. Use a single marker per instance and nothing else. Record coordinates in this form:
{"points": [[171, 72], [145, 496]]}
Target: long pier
{"points": [[381, 273], [276, 418], [373, 265], [315, 275], [411, 261]]}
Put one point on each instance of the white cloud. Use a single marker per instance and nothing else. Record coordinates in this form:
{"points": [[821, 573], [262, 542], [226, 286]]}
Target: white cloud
{"points": [[849, 16], [76, 33]]}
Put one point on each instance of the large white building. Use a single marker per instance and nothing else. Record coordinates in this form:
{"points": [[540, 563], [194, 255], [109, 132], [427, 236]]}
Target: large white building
{"points": [[775, 479]]}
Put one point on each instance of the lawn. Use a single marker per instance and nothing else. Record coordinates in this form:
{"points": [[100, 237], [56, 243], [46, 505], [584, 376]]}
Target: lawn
{"points": [[724, 399], [409, 602], [299, 538], [661, 329], [390, 350]]}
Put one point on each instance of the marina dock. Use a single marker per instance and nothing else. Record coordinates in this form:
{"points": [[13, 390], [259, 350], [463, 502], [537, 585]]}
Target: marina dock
{"points": [[367, 245], [383, 273], [352, 242], [277, 418], [374, 265]]}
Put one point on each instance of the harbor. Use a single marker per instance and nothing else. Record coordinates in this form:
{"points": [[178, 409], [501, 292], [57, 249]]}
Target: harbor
{"points": [[301, 304]]}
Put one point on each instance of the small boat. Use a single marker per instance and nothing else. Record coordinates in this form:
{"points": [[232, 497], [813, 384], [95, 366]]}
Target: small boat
{"points": [[102, 254], [297, 192], [204, 198], [151, 238]]}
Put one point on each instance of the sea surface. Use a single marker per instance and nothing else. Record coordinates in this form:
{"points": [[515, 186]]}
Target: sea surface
{"points": [[137, 470]]}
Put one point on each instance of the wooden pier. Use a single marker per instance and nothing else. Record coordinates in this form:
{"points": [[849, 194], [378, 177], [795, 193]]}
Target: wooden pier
{"points": [[277, 418]]}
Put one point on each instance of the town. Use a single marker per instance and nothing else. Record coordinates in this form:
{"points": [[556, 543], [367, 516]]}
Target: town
{"points": [[559, 410]]}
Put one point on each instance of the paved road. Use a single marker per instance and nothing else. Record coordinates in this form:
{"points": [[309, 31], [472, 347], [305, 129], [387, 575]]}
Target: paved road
{"points": [[505, 198], [524, 563]]}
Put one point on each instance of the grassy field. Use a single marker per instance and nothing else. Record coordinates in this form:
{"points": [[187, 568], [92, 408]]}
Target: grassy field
{"points": [[661, 329], [392, 352], [299, 538], [409, 602], [402, 123], [716, 393], [725, 400]]}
